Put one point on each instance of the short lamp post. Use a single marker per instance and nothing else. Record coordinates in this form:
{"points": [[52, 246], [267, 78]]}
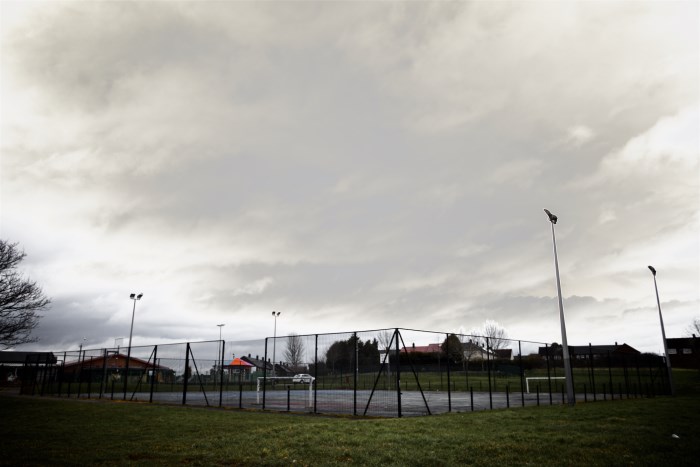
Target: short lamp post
{"points": [[275, 314], [663, 334], [135, 298], [565, 345]]}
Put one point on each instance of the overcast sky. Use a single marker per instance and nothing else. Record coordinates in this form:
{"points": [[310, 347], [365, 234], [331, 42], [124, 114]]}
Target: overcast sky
{"points": [[354, 165]]}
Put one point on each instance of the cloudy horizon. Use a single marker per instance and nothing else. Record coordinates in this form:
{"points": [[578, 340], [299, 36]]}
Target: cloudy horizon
{"points": [[353, 165]]}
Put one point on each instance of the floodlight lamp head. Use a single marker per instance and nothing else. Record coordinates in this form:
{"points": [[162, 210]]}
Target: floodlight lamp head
{"points": [[653, 271], [132, 296], [552, 217], [138, 297]]}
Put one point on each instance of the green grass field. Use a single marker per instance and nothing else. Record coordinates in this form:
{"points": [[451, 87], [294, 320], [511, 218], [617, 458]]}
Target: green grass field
{"points": [[47, 431]]}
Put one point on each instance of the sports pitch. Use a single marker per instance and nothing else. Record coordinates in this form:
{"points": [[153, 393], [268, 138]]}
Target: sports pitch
{"points": [[384, 403]]}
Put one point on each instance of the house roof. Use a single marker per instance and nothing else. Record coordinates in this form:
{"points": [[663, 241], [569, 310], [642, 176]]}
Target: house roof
{"points": [[8, 357], [430, 348], [473, 347], [256, 362], [504, 353], [593, 349], [113, 361], [689, 342]]}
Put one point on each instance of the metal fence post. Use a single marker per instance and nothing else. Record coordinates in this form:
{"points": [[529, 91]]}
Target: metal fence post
{"points": [[488, 368], [265, 373], [126, 371], [221, 372], [572, 361], [154, 372], [315, 381], [42, 376], [522, 373], [449, 389], [103, 380], [398, 374], [354, 378], [549, 376], [62, 374], [89, 388], [590, 355], [81, 359], [187, 375]]}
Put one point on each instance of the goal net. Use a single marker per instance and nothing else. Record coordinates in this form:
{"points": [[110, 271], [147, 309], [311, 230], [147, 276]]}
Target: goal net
{"points": [[285, 382]]}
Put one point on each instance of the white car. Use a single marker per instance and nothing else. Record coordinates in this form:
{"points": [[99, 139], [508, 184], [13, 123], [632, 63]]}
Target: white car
{"points": [[302, 378]]}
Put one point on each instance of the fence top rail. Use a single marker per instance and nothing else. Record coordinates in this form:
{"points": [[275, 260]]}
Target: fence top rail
{"points": [[86, 351], [442, 333], [473, 335]]}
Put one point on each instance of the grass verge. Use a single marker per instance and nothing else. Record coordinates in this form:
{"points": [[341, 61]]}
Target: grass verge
{"points": [[45, 431]]}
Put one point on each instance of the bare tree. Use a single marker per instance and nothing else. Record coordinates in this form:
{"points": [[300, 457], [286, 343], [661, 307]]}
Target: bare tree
{"points": [[20, 299], [295, 351], [694, 328], [498, 337], [384, 339], [496, 334]]}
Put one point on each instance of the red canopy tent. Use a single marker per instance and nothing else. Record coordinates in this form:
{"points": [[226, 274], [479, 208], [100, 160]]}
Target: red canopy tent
{"points": [[239, 366], [237, 362]]}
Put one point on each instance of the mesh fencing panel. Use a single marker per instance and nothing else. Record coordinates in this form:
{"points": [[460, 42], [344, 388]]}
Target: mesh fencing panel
{"points": [[386, 372]]}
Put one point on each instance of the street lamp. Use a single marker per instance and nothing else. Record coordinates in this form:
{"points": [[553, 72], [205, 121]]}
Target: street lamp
{"points": [[663, 333], [133, 297], [219, 356], [275, 314], [565, 345]]}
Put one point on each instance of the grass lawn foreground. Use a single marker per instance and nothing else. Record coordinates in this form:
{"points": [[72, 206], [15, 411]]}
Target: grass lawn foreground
{"points": [[47, 431]]}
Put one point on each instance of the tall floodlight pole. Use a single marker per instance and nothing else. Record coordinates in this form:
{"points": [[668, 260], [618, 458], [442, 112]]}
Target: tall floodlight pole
{"points": [[565, 345], [275, 314], [133, 297], [663, 334]]}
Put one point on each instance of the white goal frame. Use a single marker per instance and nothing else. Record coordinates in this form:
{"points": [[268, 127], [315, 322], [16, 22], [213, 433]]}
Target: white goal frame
{"points": [[285, 379], [527, 380]]}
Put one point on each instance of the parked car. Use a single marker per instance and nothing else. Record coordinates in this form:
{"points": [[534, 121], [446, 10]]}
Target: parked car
{"points": [[302, 378]]}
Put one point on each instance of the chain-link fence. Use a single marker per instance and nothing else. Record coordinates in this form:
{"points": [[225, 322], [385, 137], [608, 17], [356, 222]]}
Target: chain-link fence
{"points": [[387, 372]]}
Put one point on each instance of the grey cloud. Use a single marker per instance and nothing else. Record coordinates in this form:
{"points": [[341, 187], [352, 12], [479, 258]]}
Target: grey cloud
{"points": [[346, 156]]}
